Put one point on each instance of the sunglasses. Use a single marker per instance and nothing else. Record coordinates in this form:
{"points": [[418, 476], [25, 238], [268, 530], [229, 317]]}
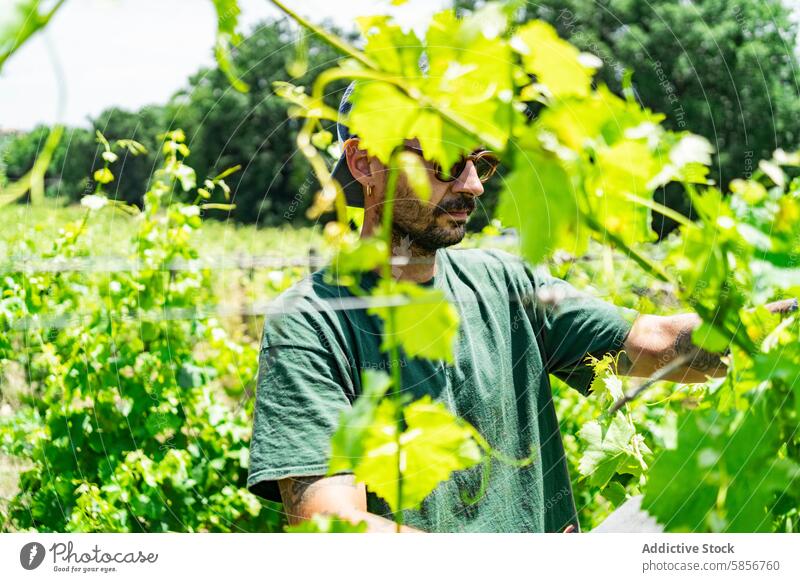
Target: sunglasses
{"points": [[485, 163]]}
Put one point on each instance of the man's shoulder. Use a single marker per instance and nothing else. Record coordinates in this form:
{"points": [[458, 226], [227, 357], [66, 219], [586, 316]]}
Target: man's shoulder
{"points": [[303, 310], [492, 262], [311, 289]]}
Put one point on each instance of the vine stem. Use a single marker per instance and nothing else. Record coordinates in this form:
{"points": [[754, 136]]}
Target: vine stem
{"points": [[660, 374], [331, 39], [394, 351]]}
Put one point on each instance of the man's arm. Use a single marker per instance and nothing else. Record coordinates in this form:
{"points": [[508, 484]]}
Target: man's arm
{"points": [[339, 495], [656, 341]]}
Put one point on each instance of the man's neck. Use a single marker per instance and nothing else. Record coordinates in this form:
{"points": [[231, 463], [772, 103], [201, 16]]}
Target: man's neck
{"points": [[410, 262]]}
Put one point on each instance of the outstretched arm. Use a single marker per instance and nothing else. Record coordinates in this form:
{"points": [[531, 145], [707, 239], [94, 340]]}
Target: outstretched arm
{"points": [[339, 495], [656, 341]]}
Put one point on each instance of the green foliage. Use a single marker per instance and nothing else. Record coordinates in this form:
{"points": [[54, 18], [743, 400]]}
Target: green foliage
{"points": [[327, 524], [128, 427], [724, 473], [728, 75], [426, 325], [131, 427], [23, 19], [612, 448]]}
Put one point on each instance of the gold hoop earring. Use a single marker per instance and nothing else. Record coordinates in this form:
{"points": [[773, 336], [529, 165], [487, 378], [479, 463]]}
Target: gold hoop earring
{"points": [[369, 190]]}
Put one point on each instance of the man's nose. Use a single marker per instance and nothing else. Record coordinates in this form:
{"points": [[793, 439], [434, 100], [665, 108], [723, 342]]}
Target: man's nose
{"points": [[469, 182]]}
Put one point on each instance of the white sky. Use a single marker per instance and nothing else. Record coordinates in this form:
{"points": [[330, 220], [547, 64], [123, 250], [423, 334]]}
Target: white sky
{"points": [[129, 53]]}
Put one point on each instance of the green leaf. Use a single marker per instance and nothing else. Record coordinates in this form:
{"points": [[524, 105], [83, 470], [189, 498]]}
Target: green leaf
{"points": [[227, 20], [425, 325], [556, 63], [710, 339], [723, 474], [382, 117], [320, 523], [394, 50], [416, 173], [611, 449], [625, 168], [435, 444], [356, 257], [538, 199], [347, 443], [470, 75], [615, 493]]}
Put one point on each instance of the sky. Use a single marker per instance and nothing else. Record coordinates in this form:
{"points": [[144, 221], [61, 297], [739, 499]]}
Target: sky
{"points": [[129, 53]]}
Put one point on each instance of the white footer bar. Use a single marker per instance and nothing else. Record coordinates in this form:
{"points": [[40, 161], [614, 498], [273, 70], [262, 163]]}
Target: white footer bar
{"points": [[418, 558]]}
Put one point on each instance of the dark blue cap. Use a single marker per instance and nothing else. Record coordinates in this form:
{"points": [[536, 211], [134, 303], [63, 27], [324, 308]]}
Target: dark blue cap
{"points": [[341, 173]]}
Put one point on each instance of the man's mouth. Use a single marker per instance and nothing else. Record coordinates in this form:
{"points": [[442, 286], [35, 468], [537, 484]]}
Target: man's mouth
{"points": [[458, 212]]}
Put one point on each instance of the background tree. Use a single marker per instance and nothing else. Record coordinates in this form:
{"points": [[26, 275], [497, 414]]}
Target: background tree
{"points": [[223, 127], [69, 168]]}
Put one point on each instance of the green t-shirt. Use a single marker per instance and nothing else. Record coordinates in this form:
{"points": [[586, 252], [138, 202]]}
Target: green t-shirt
{"points": [[517, 326]]}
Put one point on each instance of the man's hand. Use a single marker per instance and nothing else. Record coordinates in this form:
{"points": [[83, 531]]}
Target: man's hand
{"points": [[657, 341], [338, 495]]}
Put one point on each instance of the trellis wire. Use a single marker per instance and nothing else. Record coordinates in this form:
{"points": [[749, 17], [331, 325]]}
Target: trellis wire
{"points": [[116, 264]]}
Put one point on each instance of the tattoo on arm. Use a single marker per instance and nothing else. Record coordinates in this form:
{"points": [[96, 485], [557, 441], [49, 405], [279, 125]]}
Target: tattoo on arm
{"points": [[704, 361], [296, 491], [701, 360]]}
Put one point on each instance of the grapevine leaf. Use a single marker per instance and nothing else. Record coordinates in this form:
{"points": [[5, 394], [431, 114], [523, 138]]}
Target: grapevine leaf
{"points": [[416, 173], [709, 338], [382, 117], [610, 449], [538, 199], [347, 443], [435, 444], [624, 168], [320, 523], [425, 326], [395, 50], [722, 475], [556, 63], [356, 257], [470, 75]]}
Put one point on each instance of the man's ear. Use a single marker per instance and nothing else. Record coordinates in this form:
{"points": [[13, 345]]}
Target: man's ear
{"points": [[358, 162]]}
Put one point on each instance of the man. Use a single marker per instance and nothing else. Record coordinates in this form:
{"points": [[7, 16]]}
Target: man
{"points": [[509, 340]]}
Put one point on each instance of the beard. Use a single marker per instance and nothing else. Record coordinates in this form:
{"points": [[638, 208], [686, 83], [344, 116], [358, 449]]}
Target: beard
{"points": [[421, 221]]}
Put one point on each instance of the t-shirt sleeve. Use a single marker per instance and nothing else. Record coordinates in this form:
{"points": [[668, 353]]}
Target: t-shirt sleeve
{"points": [[575, 325], [300, 395]]}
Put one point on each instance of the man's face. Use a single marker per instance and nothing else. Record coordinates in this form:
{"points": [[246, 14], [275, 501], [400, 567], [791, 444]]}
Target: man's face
{"points": [[441, 220]]}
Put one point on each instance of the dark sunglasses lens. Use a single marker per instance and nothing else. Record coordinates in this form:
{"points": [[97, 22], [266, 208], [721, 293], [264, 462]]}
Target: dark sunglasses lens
{"points": [[485, 166], [453, 173]]}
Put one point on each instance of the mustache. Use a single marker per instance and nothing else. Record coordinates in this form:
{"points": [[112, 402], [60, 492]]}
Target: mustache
{"points": [[463, 204]]}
